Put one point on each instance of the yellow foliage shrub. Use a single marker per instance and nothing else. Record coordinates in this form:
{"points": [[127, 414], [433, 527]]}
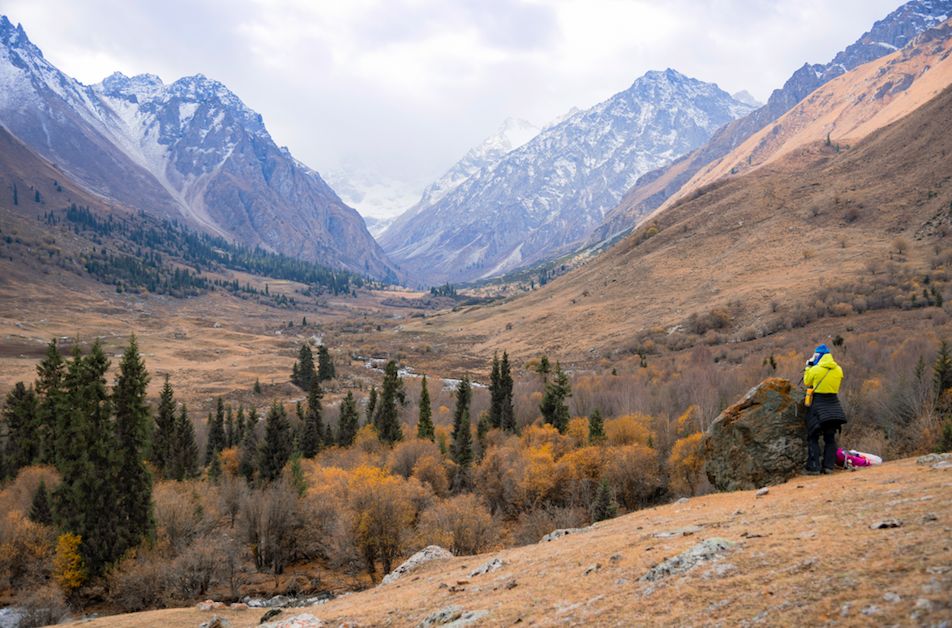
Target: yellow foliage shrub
{"points": [[68, 569], [462, 524], [540, 479], [630, 429], [429, 470], [537, 436], [686, 463], [577, 431], [229, 461], [634, 473]]}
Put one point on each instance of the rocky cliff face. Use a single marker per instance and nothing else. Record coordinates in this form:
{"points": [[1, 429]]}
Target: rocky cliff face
{"points": [[887, 35], [189, 150], [543, 197]]}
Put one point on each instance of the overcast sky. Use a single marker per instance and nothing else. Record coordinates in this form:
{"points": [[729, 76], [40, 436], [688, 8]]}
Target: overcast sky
{"points": [[403, 88]]}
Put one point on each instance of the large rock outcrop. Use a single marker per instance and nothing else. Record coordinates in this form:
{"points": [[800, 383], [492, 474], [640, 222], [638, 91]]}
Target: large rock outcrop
{"points": [[759, 440]]}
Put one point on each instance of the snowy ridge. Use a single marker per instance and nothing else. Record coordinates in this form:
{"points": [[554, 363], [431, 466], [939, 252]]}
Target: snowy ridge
{"points": [[546, 195], [190, 149]]}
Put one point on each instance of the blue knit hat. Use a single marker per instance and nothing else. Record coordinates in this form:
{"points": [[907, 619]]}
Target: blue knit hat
{"points": [[822, 349]]}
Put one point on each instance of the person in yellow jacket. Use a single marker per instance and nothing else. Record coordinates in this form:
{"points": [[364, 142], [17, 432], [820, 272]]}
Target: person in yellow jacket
{"points": [[826, 415]]}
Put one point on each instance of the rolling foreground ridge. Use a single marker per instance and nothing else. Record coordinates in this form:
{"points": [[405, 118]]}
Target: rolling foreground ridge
{"points": [[807, 551]]}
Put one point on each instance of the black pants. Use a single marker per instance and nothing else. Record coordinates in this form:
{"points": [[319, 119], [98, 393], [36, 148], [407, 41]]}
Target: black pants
{"points": [[829, 448]]}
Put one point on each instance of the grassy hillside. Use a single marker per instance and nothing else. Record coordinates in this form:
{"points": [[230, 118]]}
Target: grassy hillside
{"points": [[804, 553], [819, 234]]}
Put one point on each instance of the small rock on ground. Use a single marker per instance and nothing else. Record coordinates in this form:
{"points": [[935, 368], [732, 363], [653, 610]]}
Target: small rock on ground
{"points": [[761, 492], [593, 568], [933, 458], [885, 524], [304, 620], [556, 534], [703, 551], [425, 555], [891, 597], [487, 567], [269, 615], [215, 622], [452, 616]]}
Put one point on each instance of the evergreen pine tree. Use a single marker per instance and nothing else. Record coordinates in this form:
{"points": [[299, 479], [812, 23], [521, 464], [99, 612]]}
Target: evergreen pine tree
{"points": [[604, 506], [372, 407], [553, 408], [462, 454], [507, 414], [214, 469], [132, 423], [347, 430], [240, 425], [942, 372], [248, 453], [164, 437], [184, 457], [303, 371], [495, 394], [49, 387], [464, 394], [40, 508], [276, 448], [216, 432], [325, 365], [388, 424], [482, 429], [20, 417], [544, 368], [596, 428], [312, 435], [229, 427], [425, 420], [85, 502]]}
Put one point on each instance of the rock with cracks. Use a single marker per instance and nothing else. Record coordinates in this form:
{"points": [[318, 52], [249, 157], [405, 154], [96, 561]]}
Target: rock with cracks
{"points": [[687, 560], [425, 555], [759, 440]]}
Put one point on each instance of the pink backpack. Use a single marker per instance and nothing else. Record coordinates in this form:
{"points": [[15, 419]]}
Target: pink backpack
{"points": [[850, 459]]}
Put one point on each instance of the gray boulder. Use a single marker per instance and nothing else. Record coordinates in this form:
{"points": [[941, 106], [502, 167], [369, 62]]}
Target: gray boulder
{"points": [[759, 440], [425, 555]]}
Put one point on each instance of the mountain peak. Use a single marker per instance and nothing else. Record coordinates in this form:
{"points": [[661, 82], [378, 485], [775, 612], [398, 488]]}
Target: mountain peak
{"points": [[15, 37]]}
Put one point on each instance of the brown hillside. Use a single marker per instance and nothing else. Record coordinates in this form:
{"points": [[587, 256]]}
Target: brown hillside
{"points": [[804, 553], [758, 246], [847, 108]]}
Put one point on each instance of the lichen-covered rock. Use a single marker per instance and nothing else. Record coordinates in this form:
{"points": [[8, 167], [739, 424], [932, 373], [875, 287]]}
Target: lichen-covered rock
{"points": [[759, 440], [425, 555]]}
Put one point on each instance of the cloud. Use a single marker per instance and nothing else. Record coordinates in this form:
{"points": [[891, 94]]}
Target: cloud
{"points": [[404, 87]]}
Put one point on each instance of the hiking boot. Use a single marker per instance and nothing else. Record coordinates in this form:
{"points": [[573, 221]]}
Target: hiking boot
{"points": [[827, 471], [810, 472]]}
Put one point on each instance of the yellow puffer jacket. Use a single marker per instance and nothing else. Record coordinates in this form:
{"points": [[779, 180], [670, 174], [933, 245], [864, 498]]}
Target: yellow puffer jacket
{"points": [[825, 376]]}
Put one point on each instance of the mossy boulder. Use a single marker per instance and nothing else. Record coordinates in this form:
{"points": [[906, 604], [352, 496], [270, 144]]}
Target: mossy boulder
{"points": [[759, 440]]}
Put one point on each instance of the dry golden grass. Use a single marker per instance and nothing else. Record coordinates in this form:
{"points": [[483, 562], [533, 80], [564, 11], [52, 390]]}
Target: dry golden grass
{"points": [[804, 553]]}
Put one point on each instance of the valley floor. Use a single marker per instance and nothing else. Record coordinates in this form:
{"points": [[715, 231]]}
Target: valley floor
{"points": [[803, 554]]}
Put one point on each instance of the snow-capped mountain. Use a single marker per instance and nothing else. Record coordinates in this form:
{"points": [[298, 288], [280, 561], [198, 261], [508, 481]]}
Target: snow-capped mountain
{"points": [[191, 149], [886, 35], [512, 134], [541, 198]]}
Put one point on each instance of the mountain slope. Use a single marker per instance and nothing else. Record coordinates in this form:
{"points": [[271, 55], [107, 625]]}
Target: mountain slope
{"points": [[754, 254], [554, 190], [780, 569], [191, 149], [847, 108], [512, 134], [891, 33]]}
